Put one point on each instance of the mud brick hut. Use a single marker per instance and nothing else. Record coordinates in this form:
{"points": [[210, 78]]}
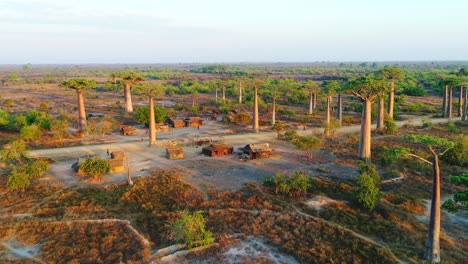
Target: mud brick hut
{"points": [[117, 161], [174, 153], [215, 150], [127, 130], [255, 151], [193, 121], [175, 123]]}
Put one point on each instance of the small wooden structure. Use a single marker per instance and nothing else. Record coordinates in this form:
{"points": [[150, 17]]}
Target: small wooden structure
{"points": [[127, 130], [193, 121], [215, 150], [255, 151], [174, 153], [175, 123], [117, 161]]}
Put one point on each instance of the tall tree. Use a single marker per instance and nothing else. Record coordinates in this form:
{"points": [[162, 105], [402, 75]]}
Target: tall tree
{"points": [[437, 147], [392, 74], [79, 85], [329, 90], [449, 82], [312, 89], [256, 83], [129, 78], [152, 91], [366, 88]]}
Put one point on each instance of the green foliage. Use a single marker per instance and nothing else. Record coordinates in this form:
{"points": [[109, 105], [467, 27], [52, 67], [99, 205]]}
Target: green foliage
{"points": [[36, 168], [14, 152], [278, 127], [7, 103], [368, 194], [452, 128], [142, 115], [190, 229], [291, 135], [460, 199], [18, 179], [413, 90], [390, 127], [129, 76], [369, 169], [43, 106], [308, 144], [94, 166], [41, 119], [430, 141], [59, 127], [30, 133], [4, 118], [294, 185], [426, 122], [78, 84], [392, 154], [457, 155]]}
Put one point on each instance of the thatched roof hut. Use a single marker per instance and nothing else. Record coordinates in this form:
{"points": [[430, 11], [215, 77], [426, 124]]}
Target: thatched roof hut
{"points": [[176, 123], [118, 155], [193, 121], [174, 153], [127, 130], [215, 150], [257, 150]]}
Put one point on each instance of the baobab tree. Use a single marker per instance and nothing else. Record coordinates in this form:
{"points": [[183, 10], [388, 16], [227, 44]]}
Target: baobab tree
{"points": [[152, 91], [437, 147], [79, 85], [449, 82], [329, 90], [256, 83], [392, 74], [366, 88], [128, 78], [339, 114], [312, 89]]}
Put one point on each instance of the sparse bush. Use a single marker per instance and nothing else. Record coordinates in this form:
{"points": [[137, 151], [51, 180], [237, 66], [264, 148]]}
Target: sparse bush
{"points": [[294, 185], [291, 135], [190, 229], [43, 106], [4, 118], [426, 122], [37, 168], [30, 133], [94, 167], [390, 126], [452, 128], [18, 179], [242, 118], [7, 103]]}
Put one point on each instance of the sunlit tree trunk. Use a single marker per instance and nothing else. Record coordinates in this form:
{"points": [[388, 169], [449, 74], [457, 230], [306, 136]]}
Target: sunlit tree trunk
{"points": [[449, 102], [255, 112], [81, 111], [460, 101], [216, 95], [444, 101], [224, 93], [152, 128], [311, 103], [364, 151], [381, 114], [327, 117], [240, 91], [340, 110], [128, 98], [314, 106], [391, 99], [432, 250], [273, 114]]}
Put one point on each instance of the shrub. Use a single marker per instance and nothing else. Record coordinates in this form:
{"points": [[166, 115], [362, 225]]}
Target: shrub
{"points": [[368, 195], [369, 169], [142, 115], [452, 128], [30, 133], [414, 91], [94, 167], [43, 106], [18, 179], [4, 118], [457, 155], [291, 135], [8, 103], [190, 229], [390, 126], [460, 199], [242, 118], [37, 168], [294, 185], [426, 122]]}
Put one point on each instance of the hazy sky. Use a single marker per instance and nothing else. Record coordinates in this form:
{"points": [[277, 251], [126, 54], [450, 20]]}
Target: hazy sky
{"points": [[173, 31]]}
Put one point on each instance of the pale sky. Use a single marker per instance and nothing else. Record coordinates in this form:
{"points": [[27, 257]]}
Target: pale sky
{"points": [[223, 31]]}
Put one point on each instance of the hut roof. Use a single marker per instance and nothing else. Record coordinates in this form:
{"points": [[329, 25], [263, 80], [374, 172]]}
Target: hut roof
{"points": [[263, 147], [217, 147], [175, 150]]}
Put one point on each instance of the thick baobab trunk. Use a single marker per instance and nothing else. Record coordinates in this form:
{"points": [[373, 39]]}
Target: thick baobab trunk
{"points": [[273, 114], [339, 116], [224, 93], [240, 92], [255, 111], [465, 105], [327, 117], [152, 128], [81, 111], [449, 102], [381, 114], [460, 101], [128, 98], [432, 249], [444, 101], [364, 151], [311, 103], [391, 99]]}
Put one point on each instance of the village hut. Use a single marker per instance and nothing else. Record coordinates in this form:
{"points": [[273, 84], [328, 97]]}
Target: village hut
{"points": [[255, 151], [117, 161], [127, 130], [215, 150], [174, 153], [193, 121], [175, 123]]}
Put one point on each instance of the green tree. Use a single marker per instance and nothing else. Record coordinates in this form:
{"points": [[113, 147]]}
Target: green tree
{"points": [[128, 78], [79, 85], [329, 90], [142, 115], [366, 88], [312, 89], [392, 74], [368, 193], [153, 90], [460, 199], [437, 147], [308, 144], [190, 229]]}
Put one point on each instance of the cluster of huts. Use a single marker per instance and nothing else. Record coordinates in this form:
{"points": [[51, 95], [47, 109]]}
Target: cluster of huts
{"points": [[250, 151]]}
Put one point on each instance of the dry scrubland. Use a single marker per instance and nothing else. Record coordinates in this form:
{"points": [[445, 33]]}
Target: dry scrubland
{"points": [[62, 219]]}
